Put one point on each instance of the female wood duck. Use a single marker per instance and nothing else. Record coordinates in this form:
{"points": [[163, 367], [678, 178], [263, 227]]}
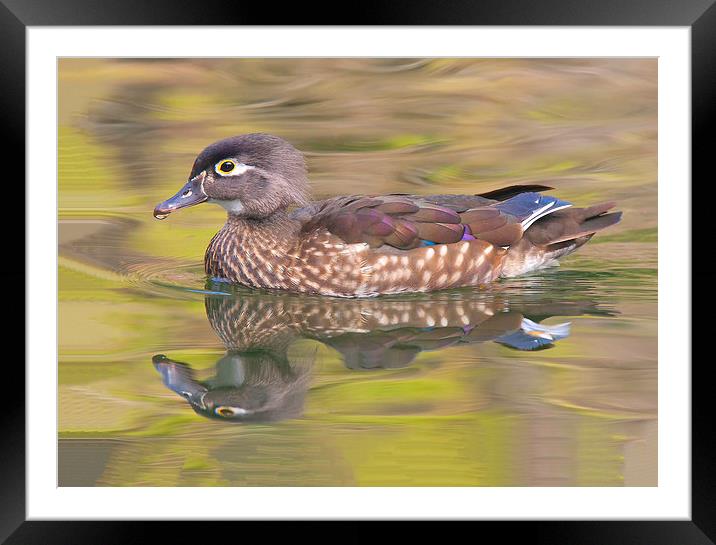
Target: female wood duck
{"points": [[358, 245]]}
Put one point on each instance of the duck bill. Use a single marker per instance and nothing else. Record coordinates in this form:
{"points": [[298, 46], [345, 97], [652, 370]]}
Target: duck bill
{"points": [[191, 194]]}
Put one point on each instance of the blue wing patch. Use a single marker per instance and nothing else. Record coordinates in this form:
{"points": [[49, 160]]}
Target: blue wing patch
{"points": [[529, 207]]}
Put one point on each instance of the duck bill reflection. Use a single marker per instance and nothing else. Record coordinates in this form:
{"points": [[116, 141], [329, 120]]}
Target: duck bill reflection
{"points": [[179, 377], [191, 194]]}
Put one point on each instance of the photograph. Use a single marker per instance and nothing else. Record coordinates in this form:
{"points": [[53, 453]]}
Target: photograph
{"points": [[434, 266], [357, 271]]}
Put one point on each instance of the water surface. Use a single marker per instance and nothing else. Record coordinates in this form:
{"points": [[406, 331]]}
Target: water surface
{"points": [[166, 379]]}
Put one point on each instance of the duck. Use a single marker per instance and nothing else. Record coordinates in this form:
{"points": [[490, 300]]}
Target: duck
{"points": [[365, 245]]}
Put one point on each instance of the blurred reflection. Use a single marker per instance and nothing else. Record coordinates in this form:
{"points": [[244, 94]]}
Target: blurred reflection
{"points": [[256, 380]]}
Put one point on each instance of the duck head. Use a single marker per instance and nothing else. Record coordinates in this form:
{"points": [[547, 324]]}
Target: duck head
{"points": [[251, 176]]}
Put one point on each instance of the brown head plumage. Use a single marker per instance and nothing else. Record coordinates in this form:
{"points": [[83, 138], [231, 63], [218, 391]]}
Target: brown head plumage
{"points": [[251, 176]]}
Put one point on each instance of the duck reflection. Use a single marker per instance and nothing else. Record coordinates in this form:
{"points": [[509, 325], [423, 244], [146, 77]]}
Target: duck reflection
{"points": [[248, 386], [257, 381]]}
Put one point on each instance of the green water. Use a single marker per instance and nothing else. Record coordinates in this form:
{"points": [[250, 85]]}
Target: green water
{"points": [[154, 361]]}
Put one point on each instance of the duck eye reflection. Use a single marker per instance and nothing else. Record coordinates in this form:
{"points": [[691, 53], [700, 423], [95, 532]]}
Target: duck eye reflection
{"points": [[224, 411], [227, 166]]}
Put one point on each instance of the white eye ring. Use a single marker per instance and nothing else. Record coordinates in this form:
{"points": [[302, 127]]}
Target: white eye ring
{"points": [[238, 168]]}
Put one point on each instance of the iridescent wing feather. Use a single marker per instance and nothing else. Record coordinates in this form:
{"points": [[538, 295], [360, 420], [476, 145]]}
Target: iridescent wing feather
{"points": [[409, 221]]}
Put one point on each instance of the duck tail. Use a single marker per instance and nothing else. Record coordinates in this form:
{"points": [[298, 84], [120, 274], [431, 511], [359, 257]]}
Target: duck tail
{"points": [[574, 224], [551, 237], [586, 222]]}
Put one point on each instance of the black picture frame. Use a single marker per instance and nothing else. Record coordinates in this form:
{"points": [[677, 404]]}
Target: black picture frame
{"points": [[699, 15]]}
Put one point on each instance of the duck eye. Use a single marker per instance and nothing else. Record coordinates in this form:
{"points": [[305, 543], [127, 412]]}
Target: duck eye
{"points": [[230, 167], [226, 166]]}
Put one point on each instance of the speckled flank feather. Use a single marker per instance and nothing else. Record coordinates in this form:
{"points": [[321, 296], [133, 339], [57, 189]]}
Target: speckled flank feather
{"points": [[321, 263], [252, 254], [466, 263]]}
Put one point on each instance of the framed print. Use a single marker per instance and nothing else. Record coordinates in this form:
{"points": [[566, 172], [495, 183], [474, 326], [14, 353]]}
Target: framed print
{"points": [[380, 330]]}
